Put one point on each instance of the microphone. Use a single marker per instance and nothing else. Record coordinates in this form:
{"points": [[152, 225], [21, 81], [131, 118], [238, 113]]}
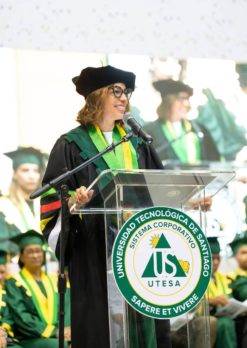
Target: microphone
{"points": [[137, 128]]}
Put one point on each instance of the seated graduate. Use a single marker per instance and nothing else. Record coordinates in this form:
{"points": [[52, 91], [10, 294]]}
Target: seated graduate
{"points": [[218, 295], [16, 206], [239, 284], [239, 249], [6, 334], [32, 296], [175, 137]]}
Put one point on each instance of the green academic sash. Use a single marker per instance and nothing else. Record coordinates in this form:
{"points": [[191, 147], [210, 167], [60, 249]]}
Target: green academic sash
{"points": [[187, 145]]}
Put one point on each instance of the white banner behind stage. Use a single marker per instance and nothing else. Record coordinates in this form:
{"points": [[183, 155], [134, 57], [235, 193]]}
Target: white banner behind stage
{"points": [[193, 28]]}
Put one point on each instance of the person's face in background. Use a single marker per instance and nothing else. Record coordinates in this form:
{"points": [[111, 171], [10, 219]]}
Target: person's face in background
{"points": [[27, 176], [32, 257], [241, 257], [116, 102], [3, 271], [216, 262], [180, 107]]}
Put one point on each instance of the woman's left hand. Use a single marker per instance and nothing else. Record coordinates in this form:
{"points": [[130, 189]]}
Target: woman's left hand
{"points": [[82, 196], [203, 203]]}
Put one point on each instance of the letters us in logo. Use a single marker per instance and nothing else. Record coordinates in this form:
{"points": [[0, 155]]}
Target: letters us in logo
{"points": [[161, 262]]}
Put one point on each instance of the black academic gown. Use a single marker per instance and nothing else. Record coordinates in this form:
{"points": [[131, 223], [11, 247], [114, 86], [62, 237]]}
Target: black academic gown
{"points": [[165, 150], [85, 252]]}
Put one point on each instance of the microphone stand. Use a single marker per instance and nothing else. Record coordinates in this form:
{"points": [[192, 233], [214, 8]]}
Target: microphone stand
{"points": [[63, 189], [155, 156]]}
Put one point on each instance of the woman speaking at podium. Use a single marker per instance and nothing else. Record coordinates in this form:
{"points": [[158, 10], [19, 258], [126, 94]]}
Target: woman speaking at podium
{"points": [[107, 92]]}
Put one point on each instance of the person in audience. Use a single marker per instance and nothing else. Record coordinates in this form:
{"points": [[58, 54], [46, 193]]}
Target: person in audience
{"points": [[218, 296], [238, 284], [175, 137], [239, 249], [18, 209], [7, 338], [33, 298]]}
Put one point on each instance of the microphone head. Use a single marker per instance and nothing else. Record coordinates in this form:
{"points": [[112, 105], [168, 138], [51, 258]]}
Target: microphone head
{"points": [[136, 128]]}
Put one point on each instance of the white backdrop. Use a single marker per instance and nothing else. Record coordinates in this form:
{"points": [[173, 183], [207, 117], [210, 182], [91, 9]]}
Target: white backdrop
{"points": [[178, 28]]}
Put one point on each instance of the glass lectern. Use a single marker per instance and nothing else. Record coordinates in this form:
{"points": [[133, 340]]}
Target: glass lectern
{"points": [[123, 193]]}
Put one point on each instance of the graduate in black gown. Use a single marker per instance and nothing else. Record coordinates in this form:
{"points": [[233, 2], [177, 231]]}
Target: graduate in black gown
{"points": [[175, 137], [107, 91]]}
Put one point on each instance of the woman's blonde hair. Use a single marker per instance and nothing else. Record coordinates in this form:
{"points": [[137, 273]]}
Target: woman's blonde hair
{"points": [[13, 194], [92, 111]]}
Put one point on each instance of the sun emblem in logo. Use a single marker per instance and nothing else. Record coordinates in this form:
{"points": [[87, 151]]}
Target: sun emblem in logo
{"points": [[185, 265], [154, 240]]}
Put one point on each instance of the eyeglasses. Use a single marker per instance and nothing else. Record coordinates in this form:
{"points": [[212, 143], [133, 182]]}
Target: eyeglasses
{"points": [[182, 98], [118, 92]]}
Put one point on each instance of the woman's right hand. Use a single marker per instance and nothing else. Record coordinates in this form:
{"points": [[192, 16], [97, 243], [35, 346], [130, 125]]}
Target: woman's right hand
{"points": [[81, 196], [67, 333]]}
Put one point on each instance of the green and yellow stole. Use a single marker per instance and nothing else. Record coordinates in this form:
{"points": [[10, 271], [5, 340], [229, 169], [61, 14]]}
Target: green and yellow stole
{"points": [[47, 306], [187, 146], [218, 286], [124, 156]]}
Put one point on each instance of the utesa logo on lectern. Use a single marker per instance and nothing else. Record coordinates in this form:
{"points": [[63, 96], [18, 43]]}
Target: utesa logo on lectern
{"points": [[161, 262]]}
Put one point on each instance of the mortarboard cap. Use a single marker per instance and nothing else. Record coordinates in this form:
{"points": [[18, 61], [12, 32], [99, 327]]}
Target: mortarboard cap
{"points": [[28, 238], [26, 155], [239, 240], [169, 86], [91, 79]]}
